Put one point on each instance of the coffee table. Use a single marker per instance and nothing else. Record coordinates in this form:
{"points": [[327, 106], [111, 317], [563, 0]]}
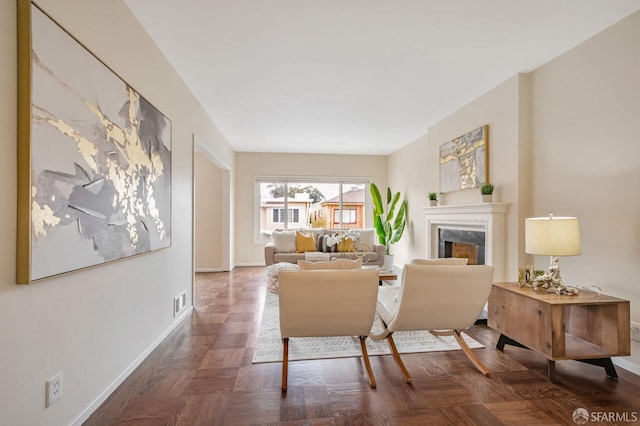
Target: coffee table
{"points": [[587, 327], [382, 274]]}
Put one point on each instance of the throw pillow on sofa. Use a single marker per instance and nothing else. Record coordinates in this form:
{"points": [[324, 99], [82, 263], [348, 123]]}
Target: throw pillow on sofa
{"points": [[346, 245], [322, 244], [284, 241], [367, 239], [305, 243]]}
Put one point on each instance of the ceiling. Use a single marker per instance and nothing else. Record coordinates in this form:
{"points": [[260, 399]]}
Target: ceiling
{"points": [[357, 76]]}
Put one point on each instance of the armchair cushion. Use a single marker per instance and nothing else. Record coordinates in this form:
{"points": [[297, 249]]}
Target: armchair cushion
{"points": [[330, 264], [441, 261], [327, 303], [387, 302]]}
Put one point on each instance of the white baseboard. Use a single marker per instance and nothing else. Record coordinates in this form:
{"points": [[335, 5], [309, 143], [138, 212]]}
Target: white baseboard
{"points": [[121, 378], [211, 270], [627, 365], [249, 264]]}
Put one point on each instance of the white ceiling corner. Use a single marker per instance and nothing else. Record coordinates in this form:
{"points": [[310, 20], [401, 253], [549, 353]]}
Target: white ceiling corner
{"points": [[357, 76]]}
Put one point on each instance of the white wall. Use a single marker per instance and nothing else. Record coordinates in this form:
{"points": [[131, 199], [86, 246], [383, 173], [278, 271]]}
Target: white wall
{"points": [[92, 325], [249, 165], [586, 152], [208, 180], [558, 136], [414, 168]]}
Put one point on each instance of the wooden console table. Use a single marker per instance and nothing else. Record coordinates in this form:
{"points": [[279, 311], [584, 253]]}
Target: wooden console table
{"points": [[586, 327]]}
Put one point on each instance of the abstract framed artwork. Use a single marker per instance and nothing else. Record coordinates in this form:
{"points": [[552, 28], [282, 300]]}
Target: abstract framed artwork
{"points": [[94, 158], [464, 161]]}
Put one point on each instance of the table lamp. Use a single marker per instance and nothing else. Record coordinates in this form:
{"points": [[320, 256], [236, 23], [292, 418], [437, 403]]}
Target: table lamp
{"points": [[552, 236]]}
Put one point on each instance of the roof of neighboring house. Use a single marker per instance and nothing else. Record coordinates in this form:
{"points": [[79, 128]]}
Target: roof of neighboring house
{"points": [[353, 196]]}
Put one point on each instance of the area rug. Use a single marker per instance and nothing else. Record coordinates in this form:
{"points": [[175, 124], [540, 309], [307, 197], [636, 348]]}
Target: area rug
{"points": [[269, 348]]}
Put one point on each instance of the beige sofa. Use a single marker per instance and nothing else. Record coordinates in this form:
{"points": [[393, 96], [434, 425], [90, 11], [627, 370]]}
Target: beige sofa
{"points": [[282, 249]]}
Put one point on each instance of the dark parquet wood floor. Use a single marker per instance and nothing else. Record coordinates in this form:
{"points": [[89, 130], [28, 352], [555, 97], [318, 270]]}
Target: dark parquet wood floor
{"points": [[202, 375]]}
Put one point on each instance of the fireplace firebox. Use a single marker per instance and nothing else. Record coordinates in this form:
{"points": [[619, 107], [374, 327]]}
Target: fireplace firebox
{"points": [[474, 227], [462, 243]]}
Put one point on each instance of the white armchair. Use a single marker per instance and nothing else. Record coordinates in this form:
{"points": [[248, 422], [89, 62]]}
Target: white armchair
{"points": [[435, 298], [327, 303]]}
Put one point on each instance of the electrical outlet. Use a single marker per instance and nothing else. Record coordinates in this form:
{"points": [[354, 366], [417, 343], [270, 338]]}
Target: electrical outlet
{"points": [[635, 331], [54, 389], [179, 302]]}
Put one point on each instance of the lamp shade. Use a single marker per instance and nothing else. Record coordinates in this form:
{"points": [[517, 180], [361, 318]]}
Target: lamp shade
{"points": [[552, 236]]}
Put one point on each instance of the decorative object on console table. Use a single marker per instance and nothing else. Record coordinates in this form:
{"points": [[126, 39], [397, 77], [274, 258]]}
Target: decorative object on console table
{"points": [[487, 192], [553, 236], [388, 222], [525, 275], [433, 198], [464, 161], [94, 158]]}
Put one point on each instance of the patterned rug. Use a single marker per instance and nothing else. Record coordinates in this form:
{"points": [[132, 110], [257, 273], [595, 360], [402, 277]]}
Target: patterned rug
{"points": [[269, 347]]}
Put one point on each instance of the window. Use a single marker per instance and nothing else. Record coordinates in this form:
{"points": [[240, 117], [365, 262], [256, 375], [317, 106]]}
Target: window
{"points": [[293, 215], [348, 216], [308, 203]]}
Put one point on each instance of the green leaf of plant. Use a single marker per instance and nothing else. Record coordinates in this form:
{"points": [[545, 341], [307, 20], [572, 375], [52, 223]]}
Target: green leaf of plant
{"points": [[400, 218], [394, 201], [377, 224], [378, 209], [397, 235]]}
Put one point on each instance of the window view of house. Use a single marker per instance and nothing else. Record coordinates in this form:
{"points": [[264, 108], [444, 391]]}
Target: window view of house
{"points": [[310, 205], [346, 211]]}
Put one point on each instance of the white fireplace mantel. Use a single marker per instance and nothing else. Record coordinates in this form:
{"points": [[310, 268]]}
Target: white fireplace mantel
{"points": [[485, 217]]}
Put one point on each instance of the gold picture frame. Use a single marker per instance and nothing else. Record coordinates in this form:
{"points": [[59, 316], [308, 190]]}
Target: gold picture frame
{"points": [[94, 158], [464, 161], [525, 275]]}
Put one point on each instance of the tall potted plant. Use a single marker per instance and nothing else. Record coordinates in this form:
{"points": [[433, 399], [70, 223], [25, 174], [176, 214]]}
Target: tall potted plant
{"points": [[389, 220]]}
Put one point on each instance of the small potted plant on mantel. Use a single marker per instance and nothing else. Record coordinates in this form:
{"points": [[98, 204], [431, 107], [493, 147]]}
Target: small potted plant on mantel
{"points": [[433, 198], [487, 192]]}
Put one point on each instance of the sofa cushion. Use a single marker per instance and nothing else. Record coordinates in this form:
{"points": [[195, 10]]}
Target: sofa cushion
{"points": [[284, 241], [305, 242], [331, 264]]}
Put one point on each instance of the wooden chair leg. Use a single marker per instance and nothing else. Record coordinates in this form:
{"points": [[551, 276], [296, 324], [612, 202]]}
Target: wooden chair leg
{"points": [[285, 363], [469, 353], [396, 357], [367, 364]]}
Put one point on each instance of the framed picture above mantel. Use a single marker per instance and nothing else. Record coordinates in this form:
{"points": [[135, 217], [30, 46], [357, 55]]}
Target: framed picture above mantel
{"points": [[94, 158], [464, 161]]}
